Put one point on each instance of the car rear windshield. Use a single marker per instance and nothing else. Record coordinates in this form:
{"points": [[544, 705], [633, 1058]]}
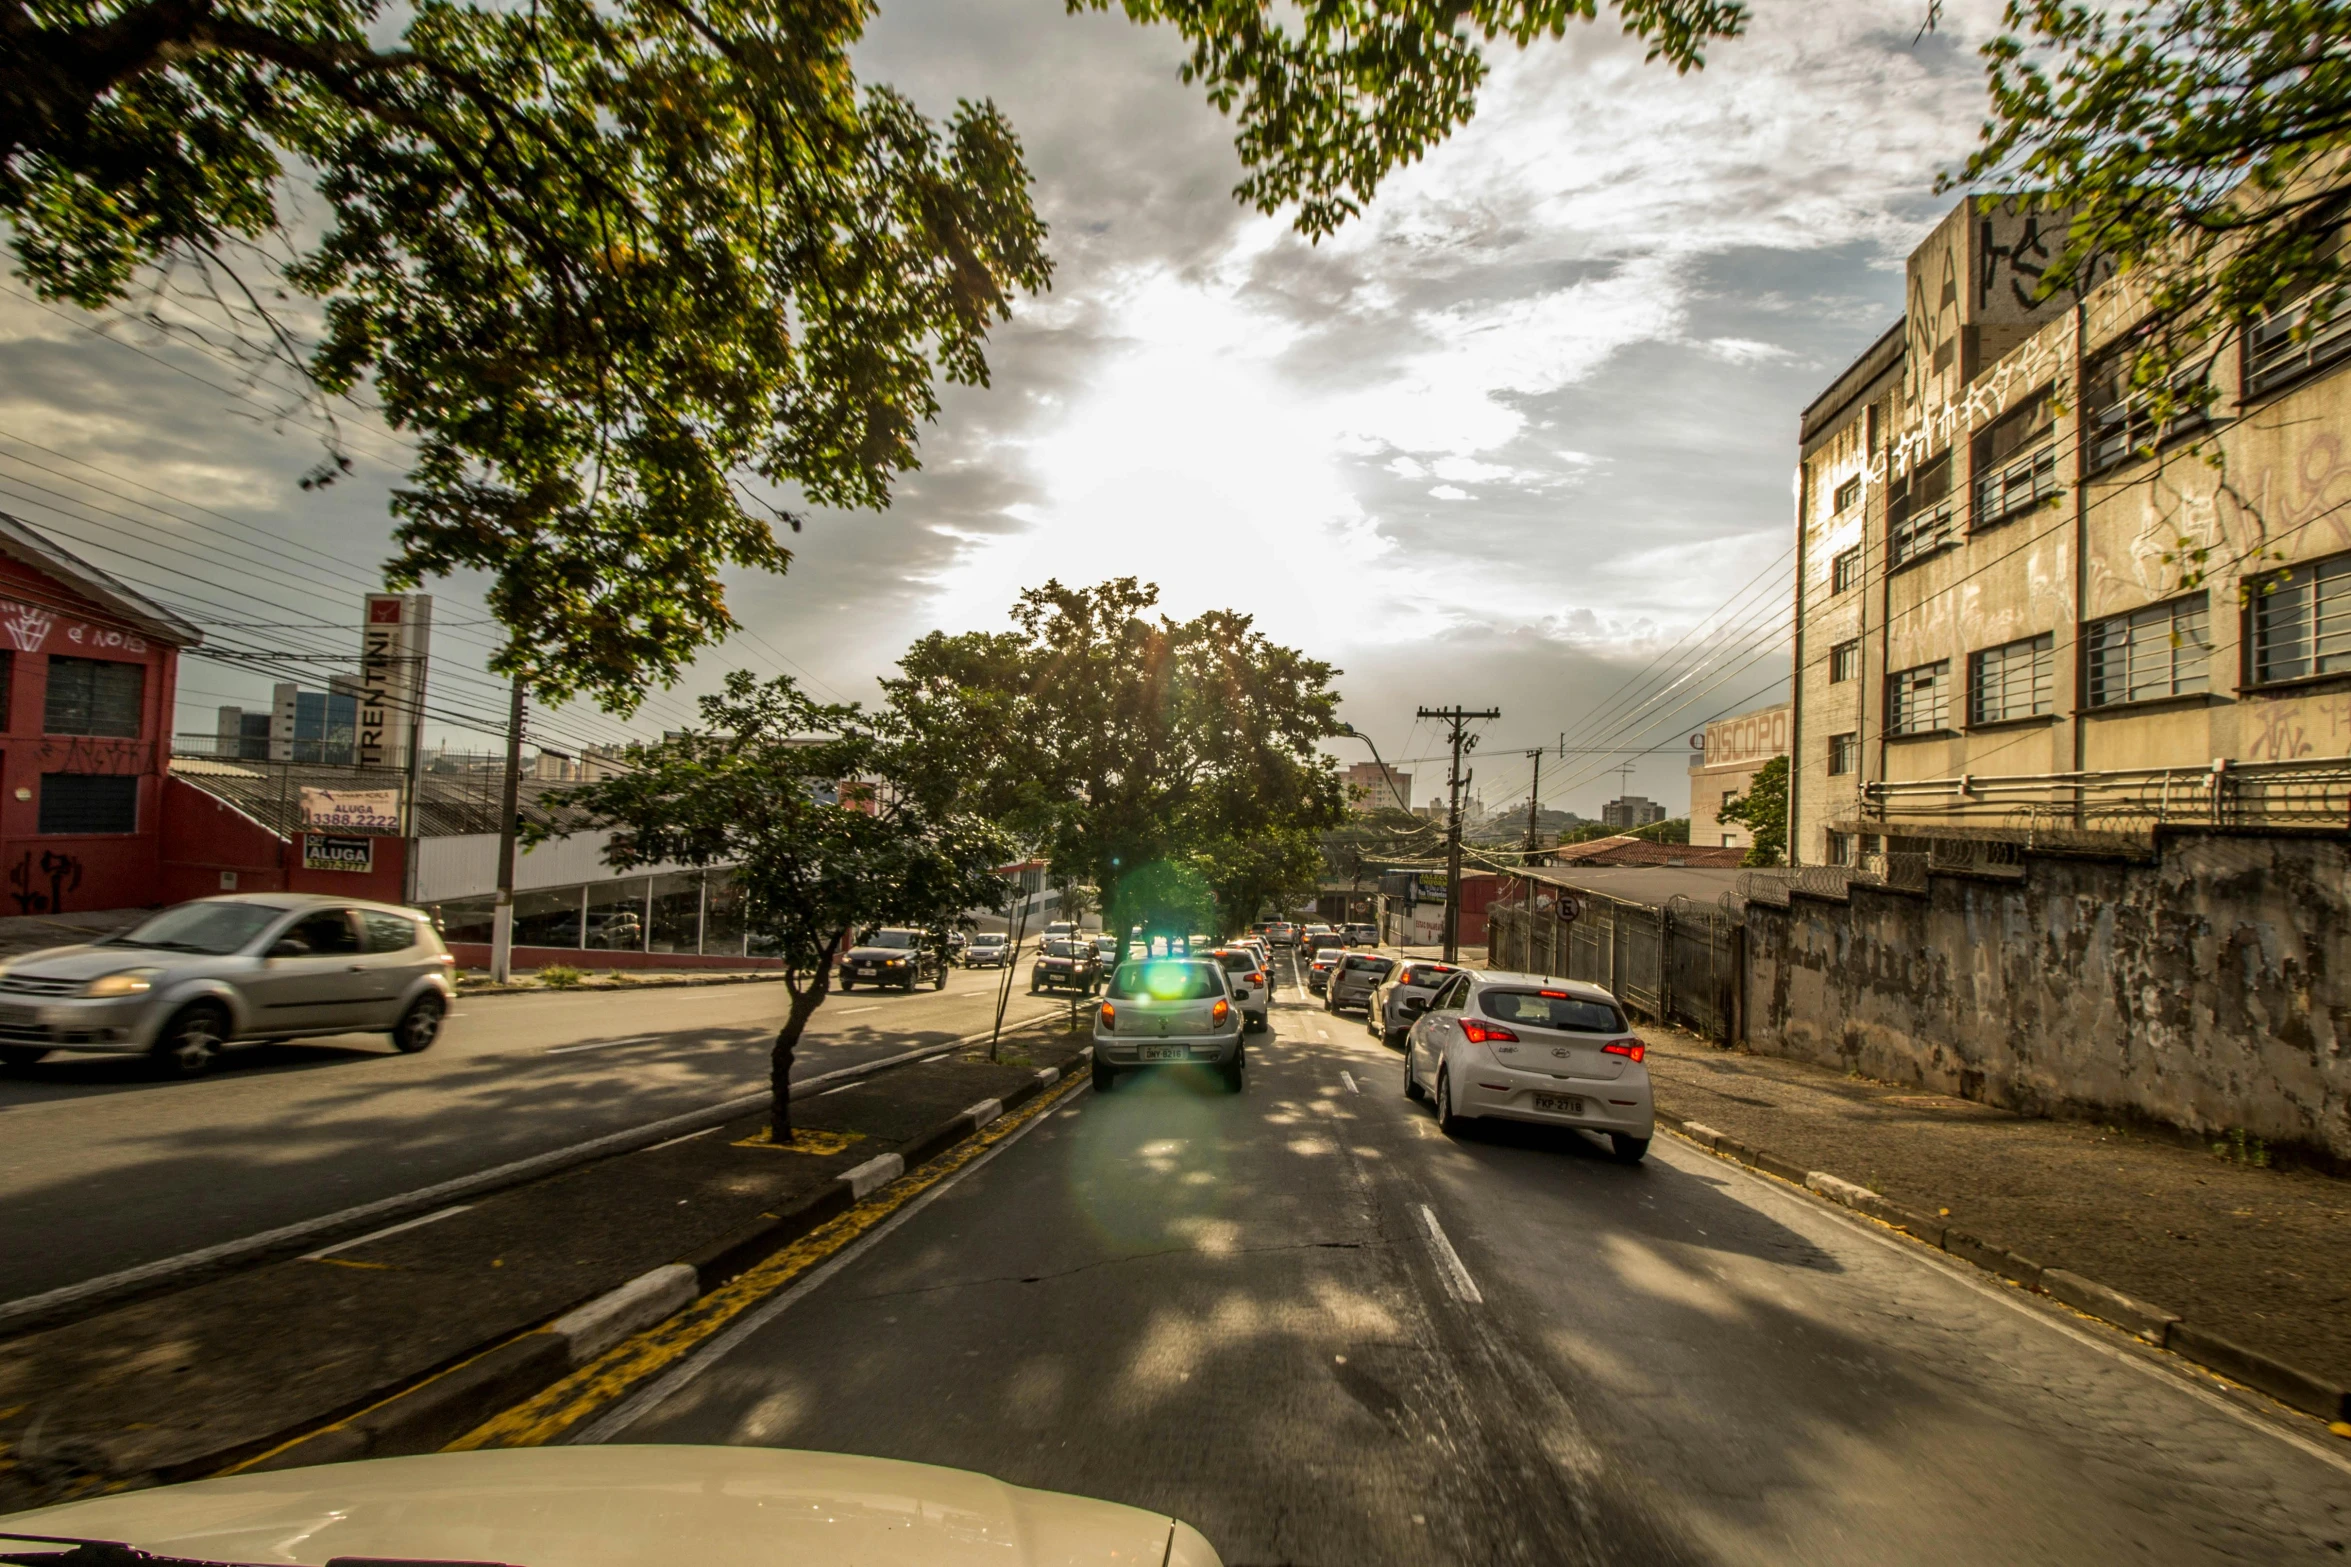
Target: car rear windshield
{"points": [[200, 927], [1551, 1009], [1166, 980], [1424, 973], [1237, 962], [1379, 966]]}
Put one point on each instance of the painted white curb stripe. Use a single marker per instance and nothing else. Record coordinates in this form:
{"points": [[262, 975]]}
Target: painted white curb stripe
{"points": [[1449, 1260], [874, 1173], [612, 1316], [985, 1111]]}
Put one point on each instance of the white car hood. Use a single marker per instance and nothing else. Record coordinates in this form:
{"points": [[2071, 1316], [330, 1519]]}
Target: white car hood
{"points": [[628, 1507]]}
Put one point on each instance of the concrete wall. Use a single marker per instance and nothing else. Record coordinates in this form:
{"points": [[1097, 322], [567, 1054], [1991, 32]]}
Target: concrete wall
{"points": [[2208, 990]]}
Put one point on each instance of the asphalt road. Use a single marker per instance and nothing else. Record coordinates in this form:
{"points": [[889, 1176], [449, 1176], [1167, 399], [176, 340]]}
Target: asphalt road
{"points": [[104, 1168], [1238, 1310]]}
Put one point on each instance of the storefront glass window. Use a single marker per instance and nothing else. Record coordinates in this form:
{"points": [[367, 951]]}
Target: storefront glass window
{"points": [[547, 919], [616, 915], [722, 915], [677, 912], [464, 919]]}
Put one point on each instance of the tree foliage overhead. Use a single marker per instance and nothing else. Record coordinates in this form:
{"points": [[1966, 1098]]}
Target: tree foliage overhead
{"points": [[600, 258], [1115, 740], [760, 789], [2203, 146], [1331, 95]]}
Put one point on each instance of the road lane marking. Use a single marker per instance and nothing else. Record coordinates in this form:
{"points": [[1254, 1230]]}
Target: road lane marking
{"points": [[1449, 1261], [325, 1252], [1349, 1079], [598, 1044], [690, 1136], [596, 1403], [853, 1011]]}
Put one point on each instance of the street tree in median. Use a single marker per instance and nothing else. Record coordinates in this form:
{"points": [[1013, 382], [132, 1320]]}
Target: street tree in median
{"points": [[820, 810], [1133, 749], [605, 258]]}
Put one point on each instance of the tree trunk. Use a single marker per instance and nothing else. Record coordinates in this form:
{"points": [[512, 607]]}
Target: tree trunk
{"points": [[779, 1061]]}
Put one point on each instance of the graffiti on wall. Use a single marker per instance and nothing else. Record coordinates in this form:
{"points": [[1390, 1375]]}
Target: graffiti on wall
{"points": [[57, 873], [93, 754], [28, 628]]}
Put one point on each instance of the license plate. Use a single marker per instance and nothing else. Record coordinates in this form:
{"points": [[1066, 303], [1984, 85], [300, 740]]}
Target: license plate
{"points": [[1561, 1104], [1165, 1052], [865, 973]]}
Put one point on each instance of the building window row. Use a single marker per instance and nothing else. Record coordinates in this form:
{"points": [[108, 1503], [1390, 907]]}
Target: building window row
{"points": [[1918, 701], [1847, 494], [1845, 661], [2275, 354], [1845, 571], [2160, 651], [2016, 461], [2123, 425], [2301, 622], [1921, 516], [1844, 753]]}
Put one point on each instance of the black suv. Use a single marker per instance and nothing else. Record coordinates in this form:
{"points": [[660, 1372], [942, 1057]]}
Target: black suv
{"points": [[893, 957]]}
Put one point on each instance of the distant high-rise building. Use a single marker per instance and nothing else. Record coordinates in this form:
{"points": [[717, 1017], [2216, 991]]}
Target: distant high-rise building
{"points": [[1372, 787], [1629, 812], [300, 726]]}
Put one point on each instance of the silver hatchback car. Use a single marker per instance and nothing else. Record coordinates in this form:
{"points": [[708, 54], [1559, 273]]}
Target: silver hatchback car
{"points": [[1166, 1011], [186, 983]]}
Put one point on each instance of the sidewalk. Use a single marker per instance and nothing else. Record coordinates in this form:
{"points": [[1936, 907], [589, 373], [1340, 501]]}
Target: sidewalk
{"points": [[2262, 1256], [175, 1386]]}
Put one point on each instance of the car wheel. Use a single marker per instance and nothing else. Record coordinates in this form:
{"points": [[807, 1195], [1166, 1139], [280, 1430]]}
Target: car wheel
{"points": [[1627, 1149], [939, 981], [1412, 1088], [17, 1057], [420, 1025], [847, 984], [192, 1041], [1105, 1076], [1231, 1072], [1447, 1121]]}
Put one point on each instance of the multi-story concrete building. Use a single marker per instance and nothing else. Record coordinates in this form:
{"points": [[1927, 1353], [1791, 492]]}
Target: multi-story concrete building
{"points": [[1371, 787], [1731, 752], [2024, 609], [1630, 811]]}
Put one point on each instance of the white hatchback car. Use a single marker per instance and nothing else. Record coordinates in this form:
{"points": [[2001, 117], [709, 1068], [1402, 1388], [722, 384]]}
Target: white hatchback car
{"points": [[1525, 1047], [1244, 970]]}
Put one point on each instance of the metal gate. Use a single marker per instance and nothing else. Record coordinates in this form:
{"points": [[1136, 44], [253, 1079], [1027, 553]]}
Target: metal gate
{"points": [[1677, 964]]}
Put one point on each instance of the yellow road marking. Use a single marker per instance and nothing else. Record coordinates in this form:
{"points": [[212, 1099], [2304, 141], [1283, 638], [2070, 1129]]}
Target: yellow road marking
{"points": [[803, 1141], [347, 1262], [600, 1383]]}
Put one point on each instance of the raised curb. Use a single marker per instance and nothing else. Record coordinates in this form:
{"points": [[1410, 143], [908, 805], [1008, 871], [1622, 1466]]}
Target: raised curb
{"points": [[2152, 1324], [425, 1416], [467, 992]]}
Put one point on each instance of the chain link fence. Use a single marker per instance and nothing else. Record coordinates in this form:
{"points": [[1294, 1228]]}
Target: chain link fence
{"points": [[1679, 963]]}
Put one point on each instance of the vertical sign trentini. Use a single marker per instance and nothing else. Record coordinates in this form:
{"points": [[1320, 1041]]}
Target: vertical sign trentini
{"points": [[394, 644]]}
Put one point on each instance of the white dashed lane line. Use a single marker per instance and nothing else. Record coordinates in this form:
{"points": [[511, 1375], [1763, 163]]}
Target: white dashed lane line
{"points": [[1349, 1079], [1449, 1261]]}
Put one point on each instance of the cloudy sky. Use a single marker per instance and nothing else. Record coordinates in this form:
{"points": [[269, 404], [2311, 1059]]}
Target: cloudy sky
{"points": [[1517, 435]]}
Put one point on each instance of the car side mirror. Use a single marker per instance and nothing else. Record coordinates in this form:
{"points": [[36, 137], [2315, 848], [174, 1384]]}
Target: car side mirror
{"points": [[290, 947]]}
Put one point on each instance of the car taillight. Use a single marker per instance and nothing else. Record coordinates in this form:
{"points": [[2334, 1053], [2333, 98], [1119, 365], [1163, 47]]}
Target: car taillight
{"points": [[1257, 978], [1630, 1049], [1478, 1033], [1109, 1015], [1216, 1014]]}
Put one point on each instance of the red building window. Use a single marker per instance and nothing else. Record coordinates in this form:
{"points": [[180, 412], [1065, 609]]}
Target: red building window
{"points": [[94, 696]]}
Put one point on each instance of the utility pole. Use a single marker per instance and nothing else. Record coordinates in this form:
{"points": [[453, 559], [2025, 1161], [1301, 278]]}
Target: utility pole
{"points": [[1534, 796], [1458, 719], [510, 803]]}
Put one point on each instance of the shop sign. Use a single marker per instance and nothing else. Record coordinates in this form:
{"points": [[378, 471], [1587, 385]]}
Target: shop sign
{"points": [[351, 810]]}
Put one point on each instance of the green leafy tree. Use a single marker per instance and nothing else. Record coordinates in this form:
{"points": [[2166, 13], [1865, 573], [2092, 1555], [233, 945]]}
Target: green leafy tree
{"points": [[762, 789], [2199, 148], [1137, 752], [603, 258], [1763, 810]]}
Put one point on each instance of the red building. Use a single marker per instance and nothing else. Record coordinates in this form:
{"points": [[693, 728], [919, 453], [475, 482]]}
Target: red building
{"points": [[88, 676]]}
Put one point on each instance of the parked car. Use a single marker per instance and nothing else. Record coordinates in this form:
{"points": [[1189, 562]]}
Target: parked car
{"points": [[988, 949], [1106, 951], [1162, 1011], [893, 957], [185, 984], [958, 942], [1402, 997], [1520, 1047], [1355, 979], [1362, 935], [1244, 971], [1064, 963], [1065, 928], [1318, 972]]}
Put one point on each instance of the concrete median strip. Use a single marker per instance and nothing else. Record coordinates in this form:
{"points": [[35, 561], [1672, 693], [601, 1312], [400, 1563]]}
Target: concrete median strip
{"points": [[30, 1311], [2151, 1324], [505, 1389]]}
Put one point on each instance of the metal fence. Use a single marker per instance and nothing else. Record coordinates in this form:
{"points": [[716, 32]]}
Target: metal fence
{"points": [[1679, 963], [2307, 791]]}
